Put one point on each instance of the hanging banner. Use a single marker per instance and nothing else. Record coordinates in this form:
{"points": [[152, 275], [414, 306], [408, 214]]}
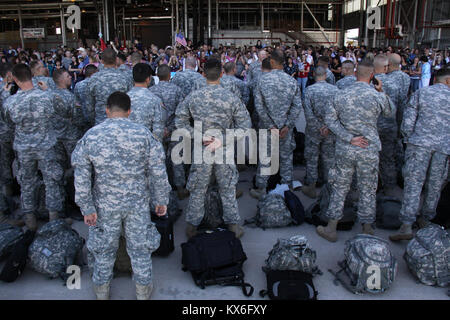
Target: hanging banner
{"points": [[33, 33]]}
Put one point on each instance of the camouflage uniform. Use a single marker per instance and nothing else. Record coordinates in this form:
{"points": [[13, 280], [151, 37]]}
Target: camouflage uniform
{"points": [[354, 112], [330, 77], [171, 96], [146, 110], [124, 158], [241, 85], [47, 80], [101, 85], [185, 80], [278, 104], [81, 99], [6, 143], [317, 97], [229, 85], [217, 108], [426, 128], [387, 130], [30, 112], [403, 81], [128, 74], [253, 74], [345, 82], [67, 123]]}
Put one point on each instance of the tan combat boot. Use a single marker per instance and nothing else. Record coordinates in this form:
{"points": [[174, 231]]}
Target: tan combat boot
{"points": [[53, 215], [310, 190], [422, 222], [367, 229], [144, 292], [102, 292], [237, 229], [182, 193], [191, 230], [239, 193], [329, 232], [30, 222], [257, 193], [404, 233]]}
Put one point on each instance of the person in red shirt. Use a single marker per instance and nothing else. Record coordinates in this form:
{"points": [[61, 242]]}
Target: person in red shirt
{"points": [[302, 78]]}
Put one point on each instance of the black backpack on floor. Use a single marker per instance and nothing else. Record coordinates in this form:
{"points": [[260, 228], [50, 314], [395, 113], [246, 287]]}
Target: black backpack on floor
{"points": [[215, 258], [17, 259], [289, 285], [295, 206], [164, 225]]}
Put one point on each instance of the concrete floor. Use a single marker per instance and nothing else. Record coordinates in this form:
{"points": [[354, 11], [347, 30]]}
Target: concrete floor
{"points": [[171, 283]]}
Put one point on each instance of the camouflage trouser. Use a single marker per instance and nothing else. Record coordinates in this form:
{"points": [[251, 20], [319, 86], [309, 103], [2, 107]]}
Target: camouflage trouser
{"points": [[3, 203], [142, 239], [227, 177], [389, 148], [178, 173], [287, 147], [340, 178], [422, 167], [52, 172], [6, 161], [64, 149], [316, 145]]}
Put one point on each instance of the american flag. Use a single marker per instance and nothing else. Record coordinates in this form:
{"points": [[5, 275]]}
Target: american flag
{"points": [[180, 39]]}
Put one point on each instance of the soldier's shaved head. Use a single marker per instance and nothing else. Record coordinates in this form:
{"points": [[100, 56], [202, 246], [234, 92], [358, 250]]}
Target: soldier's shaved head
{"points": [[277, 57], [265, 65], [348, 68], [213, 69], [136, 57], [320, 73], [109, 57], [380, 63], [364, 70], [394, 62], [229, 67], [443, 76], [163, 72], [191, 62]]}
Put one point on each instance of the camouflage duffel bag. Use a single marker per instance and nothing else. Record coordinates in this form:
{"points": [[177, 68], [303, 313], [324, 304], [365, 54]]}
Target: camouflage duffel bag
{"points": [[293, 254], [369, 265], [428, 256], [272, 212], [55, 247], [9, 236]]}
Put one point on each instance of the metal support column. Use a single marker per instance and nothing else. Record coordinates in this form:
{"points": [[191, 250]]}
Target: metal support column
{"points": [[186, 28], [171, 22], [361, 22], [413, 35], [114, 17], [177, 16], [366, 30], [106, 21], [63, 25], [124, 35], [262, 18], [217, 14], [20, 27], [209, 20], [301, 18]]}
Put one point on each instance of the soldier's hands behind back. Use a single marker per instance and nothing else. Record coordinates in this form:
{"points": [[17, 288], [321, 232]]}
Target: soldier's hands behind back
{"points": [[360, 142], [91, 220], [160, 210]]}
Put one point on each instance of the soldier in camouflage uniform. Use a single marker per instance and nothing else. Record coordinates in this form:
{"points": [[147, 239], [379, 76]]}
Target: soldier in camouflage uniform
{"points": [[102, 84], [145, 106], [229, 85], [348, 71], [40, 74], [216, 108], [324, 61], [82, 95], [254, 70], [6, 135], [122, 66], [171, 96], [124, 158], [278, 104], [30, 111], [229, 76], [426, 130], [318, 139], [352, 117], [185, 79], [387, 127]]}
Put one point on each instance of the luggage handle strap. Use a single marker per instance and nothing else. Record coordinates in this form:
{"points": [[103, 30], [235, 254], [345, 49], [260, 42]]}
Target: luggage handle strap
{"points": [[243, 285]]}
